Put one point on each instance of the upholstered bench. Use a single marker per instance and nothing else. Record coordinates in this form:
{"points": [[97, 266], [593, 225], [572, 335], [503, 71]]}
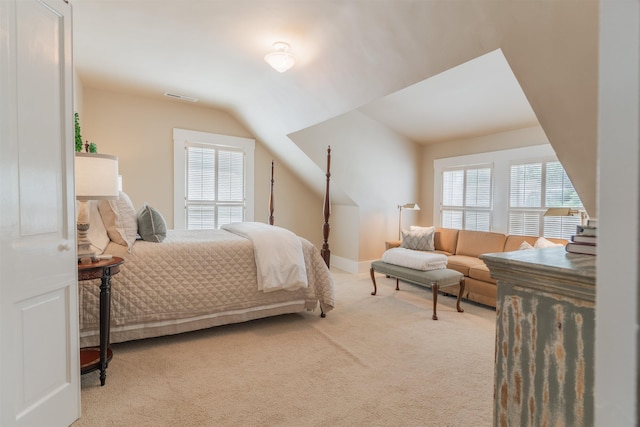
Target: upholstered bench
{"points": [[436, 279]]}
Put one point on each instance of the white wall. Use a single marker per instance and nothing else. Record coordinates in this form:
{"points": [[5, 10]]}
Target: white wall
{"points": [[139, 131], [376, 168]]}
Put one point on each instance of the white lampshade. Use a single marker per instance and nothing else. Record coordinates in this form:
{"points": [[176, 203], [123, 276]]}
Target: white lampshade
{"points": [[409, 206], [96, 176], [280, 59]]}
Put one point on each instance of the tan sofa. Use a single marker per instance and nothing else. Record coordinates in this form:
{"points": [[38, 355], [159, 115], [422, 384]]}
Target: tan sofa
{"points": [[463, 248]]}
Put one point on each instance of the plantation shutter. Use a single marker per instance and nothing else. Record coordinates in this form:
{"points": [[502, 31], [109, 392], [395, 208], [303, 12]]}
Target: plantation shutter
{"points": [[215, 186], [560, 193], [525, 192], [466, 199], [535, 187]]}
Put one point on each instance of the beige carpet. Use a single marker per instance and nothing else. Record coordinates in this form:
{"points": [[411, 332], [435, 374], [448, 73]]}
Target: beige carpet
{"points": [[373, 361]]}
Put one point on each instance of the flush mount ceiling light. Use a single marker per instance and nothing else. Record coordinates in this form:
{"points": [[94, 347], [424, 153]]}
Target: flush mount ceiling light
{"points": [[280, 59]]}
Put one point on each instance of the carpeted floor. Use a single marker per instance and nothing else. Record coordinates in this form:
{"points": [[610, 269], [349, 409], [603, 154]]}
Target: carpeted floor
{"points": [[373, 361]]}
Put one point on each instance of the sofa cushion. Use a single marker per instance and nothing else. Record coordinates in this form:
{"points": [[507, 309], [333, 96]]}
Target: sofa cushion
{"points": [[462, 263], [445, 240], [475, 243], [481, 272]]}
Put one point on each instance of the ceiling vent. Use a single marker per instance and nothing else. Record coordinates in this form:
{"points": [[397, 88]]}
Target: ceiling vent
{"points": [[181, 97]]}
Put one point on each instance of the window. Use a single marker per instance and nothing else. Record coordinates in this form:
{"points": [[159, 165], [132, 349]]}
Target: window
{"points": [[213, 176], [466, 198], [535, 187], [505, 191], [215, 186]]}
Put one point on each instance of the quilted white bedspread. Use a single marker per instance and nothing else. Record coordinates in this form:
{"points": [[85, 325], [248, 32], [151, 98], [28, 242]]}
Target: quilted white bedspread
{"points": [[194, 280]]}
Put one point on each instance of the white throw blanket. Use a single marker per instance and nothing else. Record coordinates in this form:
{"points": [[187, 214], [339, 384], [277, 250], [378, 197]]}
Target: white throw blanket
{"points": [[418, 260], [278, 253]]}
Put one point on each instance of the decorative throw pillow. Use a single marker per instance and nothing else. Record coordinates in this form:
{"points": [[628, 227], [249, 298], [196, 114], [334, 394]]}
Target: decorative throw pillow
{"points": [[120, 220], [418, 238], [544, 243], [524, 246], [151, 225], [97, 233]]}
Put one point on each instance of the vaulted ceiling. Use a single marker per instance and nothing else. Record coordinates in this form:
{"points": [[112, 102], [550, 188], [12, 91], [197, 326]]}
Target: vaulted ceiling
{"points": [[386, 58]]}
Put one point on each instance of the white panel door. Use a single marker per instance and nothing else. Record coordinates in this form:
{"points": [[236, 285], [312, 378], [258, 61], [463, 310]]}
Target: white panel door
{"points": [[39, 348]]}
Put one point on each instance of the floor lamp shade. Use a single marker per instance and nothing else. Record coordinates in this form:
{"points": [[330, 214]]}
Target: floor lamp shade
{"points": [[410, 206], [96, 178]]}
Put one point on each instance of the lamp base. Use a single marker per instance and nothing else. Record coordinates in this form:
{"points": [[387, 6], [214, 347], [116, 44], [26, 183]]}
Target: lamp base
{"points": [[85, 254]]}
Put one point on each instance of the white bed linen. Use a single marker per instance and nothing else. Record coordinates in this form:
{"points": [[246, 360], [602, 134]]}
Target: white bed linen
{"points": [[194, 280], [418, 260], [278, 254]]}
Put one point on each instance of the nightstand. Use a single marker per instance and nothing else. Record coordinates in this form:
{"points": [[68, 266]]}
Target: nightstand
{"points": [[94, 358]]}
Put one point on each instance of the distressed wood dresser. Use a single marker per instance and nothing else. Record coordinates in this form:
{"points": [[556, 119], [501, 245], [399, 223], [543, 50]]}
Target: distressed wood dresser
{"points": [[544, 366]]}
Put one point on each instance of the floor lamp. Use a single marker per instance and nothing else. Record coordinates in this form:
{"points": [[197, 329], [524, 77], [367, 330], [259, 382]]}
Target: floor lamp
{"points": [[410, 206], [96, 179], [567, 212]]}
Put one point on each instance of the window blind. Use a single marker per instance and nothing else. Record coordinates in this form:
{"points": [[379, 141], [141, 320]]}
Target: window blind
{"points": [[466, 198], [535, 187], [214, 186]]}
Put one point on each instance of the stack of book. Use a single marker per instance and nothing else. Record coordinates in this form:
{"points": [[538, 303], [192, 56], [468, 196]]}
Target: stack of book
{"points": [[584, 241]]}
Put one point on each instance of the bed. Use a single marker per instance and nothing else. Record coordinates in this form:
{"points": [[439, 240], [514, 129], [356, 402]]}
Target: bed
{"points": [[194, 279]]}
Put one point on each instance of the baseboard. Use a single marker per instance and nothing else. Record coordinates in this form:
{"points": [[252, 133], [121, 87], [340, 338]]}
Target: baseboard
{"points": [[350, 266]]}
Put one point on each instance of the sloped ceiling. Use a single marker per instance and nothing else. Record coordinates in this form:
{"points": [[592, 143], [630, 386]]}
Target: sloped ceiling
{"points": [[479, 97], [376, 56]]}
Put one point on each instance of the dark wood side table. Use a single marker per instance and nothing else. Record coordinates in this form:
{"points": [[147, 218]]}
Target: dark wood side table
{"points": [[94, 358]]}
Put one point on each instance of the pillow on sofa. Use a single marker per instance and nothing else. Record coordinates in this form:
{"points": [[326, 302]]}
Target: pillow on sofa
{"points": [[524, 246], [151, 225], [544, 243], [418, 238], [120, 220]]}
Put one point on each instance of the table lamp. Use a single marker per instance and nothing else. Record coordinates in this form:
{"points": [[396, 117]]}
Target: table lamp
{"points": [[96, 179]]}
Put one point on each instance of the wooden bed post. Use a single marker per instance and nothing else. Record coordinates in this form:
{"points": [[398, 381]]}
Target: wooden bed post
{"points": [[271, 197], [325, 252]]}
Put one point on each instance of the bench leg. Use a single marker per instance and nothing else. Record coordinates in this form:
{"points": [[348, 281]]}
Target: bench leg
{"points": [[397, 284], [373, 279], [434, 288], [462, 284]]}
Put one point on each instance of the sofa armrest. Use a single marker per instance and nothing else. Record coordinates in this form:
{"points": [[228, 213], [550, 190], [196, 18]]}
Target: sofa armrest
{"points": [[392, 244]]}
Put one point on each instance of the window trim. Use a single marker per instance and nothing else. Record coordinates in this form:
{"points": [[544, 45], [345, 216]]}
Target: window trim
{"points": [[180, 139]]}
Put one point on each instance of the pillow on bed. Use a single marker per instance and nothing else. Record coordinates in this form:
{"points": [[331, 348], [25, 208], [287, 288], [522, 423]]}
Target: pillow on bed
{"points": [[418, 238], [97, 233], [151, 225], [120, 220]]}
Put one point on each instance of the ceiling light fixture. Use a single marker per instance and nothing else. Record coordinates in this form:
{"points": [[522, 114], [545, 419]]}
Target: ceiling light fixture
{"points": [[280, 59]]}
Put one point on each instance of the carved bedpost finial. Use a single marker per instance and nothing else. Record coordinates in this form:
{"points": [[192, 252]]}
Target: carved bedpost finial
{"points": [[325, 252], [271, 197]]}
